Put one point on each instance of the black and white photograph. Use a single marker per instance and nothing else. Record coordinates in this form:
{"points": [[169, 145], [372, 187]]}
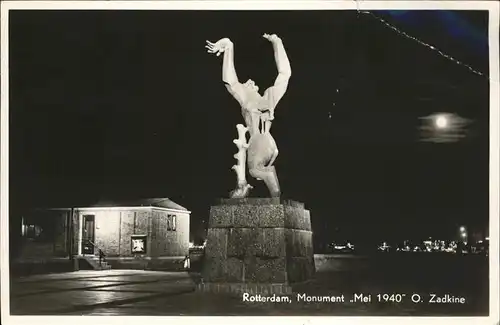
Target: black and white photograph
{"points": [[234, 158]]}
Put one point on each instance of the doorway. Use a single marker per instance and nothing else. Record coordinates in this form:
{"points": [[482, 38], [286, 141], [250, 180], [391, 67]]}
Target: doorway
{"points": [[88, 235]]}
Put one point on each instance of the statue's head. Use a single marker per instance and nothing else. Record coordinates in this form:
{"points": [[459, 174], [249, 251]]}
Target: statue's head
{"points": [[251, 86]]}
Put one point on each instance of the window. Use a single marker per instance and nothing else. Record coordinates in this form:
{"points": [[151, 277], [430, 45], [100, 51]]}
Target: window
{"points": [[138, 244], [32, 231], [171, 222]]}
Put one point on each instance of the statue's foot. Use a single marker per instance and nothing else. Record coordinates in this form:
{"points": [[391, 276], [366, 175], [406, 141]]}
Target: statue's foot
{"points": [[275, 194], [241, 191]]}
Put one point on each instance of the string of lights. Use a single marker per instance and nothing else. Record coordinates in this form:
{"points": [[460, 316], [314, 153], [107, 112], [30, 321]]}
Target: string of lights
{"points": [[431, 47]]}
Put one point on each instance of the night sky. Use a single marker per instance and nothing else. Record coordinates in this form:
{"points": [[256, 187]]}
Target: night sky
{"points": [[124, 104]]}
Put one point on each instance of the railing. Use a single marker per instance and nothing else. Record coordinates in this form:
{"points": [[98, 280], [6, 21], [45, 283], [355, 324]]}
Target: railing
{"points": [[102, 255]]}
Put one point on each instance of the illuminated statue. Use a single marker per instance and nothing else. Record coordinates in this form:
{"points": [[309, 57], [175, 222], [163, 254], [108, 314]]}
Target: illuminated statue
{"points": [[258, 112]]}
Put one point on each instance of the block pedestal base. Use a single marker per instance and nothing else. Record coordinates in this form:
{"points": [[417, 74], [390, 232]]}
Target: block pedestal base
{"points": [[257, 245]]}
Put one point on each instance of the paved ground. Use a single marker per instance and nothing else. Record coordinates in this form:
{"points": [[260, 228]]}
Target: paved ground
{"points": [[127, 292], [82, 292]]}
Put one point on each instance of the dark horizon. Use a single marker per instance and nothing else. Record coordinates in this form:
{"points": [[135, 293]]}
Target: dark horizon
{"points": [[116, 104]]}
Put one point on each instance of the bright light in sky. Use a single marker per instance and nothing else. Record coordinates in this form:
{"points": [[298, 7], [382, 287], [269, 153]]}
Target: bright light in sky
{"points": [[441, 121], [443, 127]]}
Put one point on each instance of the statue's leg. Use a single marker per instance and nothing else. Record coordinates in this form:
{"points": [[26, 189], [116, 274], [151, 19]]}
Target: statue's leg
{"points": [[262, 151], [274, 156], [270, 178]]}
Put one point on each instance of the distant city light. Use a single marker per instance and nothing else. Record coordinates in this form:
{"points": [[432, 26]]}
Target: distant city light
{"points": [[464, 234], [462, 229]]}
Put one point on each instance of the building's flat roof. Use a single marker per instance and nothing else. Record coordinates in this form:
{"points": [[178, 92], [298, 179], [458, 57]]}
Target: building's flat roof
{"points": [[165, 203]]}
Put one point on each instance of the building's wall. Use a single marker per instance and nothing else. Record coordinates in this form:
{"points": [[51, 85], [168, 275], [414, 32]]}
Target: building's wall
{"points": [[107, 232], [134, 223], [114, 229], [126, 226], [169, 242], [61, 245], [74, 232]]}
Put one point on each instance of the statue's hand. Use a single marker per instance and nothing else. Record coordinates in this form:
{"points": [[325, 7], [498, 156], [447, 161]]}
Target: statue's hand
{"points": [[271, 38], [218, 47]]}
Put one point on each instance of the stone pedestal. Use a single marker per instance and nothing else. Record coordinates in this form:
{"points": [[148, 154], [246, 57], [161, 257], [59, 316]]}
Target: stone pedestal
{"points": [[257, 245]]}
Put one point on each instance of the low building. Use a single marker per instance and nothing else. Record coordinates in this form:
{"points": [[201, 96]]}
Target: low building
{"points": [[141, 234]]}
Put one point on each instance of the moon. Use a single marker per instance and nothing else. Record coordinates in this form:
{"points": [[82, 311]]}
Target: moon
{"points": [[441, 122], [443, 127]]}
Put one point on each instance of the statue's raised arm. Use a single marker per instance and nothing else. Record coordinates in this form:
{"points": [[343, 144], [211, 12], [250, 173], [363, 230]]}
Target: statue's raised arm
{"points": [[276, 92], [229, 76]]}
